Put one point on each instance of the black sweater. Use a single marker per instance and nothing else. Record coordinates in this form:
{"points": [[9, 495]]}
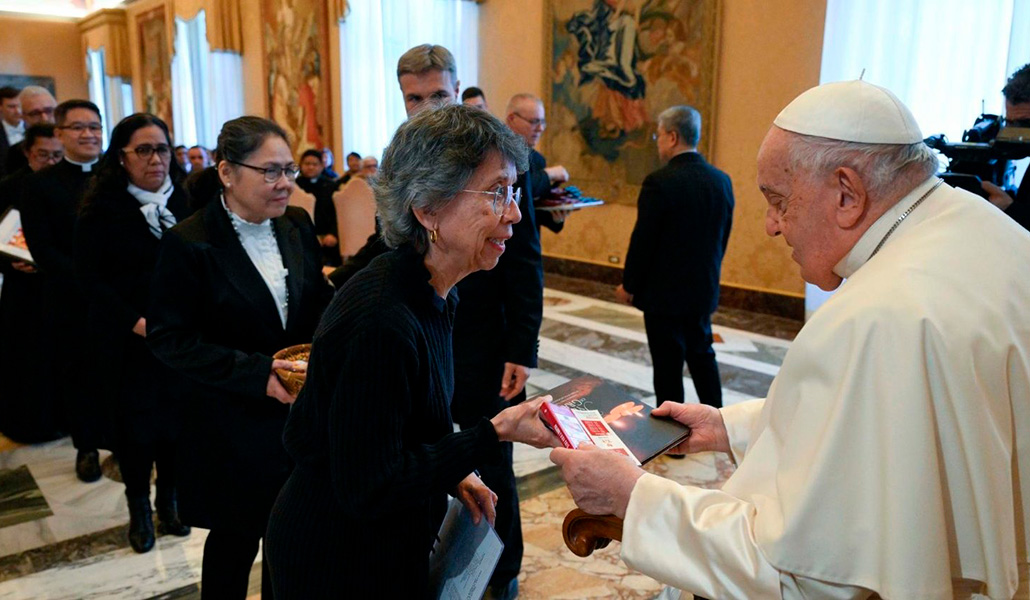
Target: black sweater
{"points": [[372, 438]]}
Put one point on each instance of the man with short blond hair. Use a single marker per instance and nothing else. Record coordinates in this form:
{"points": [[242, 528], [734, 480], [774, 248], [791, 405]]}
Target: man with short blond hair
{"points": [[428, 76]]}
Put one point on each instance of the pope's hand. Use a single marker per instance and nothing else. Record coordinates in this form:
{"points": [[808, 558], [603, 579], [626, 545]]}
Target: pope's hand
{"points": [[521, 423], [707, 429], [477, 498], [601, 481]]}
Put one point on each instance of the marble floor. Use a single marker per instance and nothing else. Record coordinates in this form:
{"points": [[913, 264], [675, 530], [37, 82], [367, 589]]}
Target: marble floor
{"points": [[62, 539]]}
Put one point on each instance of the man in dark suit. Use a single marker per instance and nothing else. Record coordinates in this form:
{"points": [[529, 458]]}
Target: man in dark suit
{"points": [[12, 128], [525, 116], [50, 203], [684, 214], [1017, 114], [37, 106]]}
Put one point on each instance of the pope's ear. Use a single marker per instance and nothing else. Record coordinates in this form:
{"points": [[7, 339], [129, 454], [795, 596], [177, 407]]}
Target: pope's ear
{"points": [[852, 199]]}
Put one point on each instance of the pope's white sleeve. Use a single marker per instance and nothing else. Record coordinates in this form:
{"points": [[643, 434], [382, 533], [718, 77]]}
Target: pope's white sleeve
{"points": [[702, 541], [697, 540], [740, 420]]}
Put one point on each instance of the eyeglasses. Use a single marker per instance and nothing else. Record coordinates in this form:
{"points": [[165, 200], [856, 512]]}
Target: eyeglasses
{"points": [[532, 122], [272, 174], [39, 112], [502, 197], [43, 155], [78, 128], [145, 151]]}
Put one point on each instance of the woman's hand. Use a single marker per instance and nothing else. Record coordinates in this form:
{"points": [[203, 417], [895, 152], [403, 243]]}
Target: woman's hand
{"points": [[275, 388], [522, 423], [140, 328], [707, 429], [477, 498]]}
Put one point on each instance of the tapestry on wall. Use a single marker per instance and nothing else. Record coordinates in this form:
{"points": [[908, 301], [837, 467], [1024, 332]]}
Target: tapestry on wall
{"points": [[612, 67], [297, 70], [156, 64]]}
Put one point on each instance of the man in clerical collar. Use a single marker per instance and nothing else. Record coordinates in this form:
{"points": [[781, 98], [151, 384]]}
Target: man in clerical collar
{"points": [[13, 130], [37, 106], [50, 203], [891, 457]]}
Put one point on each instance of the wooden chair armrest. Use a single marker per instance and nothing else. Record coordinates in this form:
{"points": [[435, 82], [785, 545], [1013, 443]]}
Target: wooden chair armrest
{"points": [[585, 533]]}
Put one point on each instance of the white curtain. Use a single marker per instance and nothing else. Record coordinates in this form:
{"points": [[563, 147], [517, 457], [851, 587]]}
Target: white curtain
{"points": [[207, 86], [112, 95], [374, 36], [947, 60]]}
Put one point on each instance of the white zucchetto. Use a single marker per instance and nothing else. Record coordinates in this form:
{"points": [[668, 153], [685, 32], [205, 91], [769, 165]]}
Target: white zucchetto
{"points": [[851, 111]]}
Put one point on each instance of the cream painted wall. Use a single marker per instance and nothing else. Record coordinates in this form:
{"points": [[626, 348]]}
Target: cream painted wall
{"points": [[46, 47], [758, 74]]}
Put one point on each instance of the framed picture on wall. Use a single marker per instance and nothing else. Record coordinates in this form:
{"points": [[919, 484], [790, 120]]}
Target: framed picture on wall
{"points": [[611, 67], [295, 34], [22, 81], [156, 64]]}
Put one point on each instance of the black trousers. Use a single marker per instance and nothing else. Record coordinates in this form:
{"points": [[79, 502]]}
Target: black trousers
{"points": [[136, 459], [228, 558], [675, 339], [475, 398]]}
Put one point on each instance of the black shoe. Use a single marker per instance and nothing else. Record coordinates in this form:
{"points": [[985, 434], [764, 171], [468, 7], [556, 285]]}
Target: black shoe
{"points": [[141, 525], [87, 465], [508, 591], [168, 515]]}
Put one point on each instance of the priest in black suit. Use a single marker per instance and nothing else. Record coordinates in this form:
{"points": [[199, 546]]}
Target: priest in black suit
{"points": [[684, 214], [314, 181], [50, 203], [28, 409]]}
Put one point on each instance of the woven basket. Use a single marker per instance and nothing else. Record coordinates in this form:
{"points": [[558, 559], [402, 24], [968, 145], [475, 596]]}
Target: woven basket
{"points": [[293, 382]]}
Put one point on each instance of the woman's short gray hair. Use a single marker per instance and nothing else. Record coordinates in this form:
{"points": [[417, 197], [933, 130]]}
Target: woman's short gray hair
{"points": [[879, 165], [430, 160]]}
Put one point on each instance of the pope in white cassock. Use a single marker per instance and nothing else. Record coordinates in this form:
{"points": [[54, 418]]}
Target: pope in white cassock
{"points": [[891, 457]]}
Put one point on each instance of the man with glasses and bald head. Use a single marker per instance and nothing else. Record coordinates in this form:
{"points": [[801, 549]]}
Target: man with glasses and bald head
{"points": [[37, 106], [50, 203]]}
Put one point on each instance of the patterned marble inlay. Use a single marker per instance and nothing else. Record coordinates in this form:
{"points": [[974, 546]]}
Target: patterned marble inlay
{"points": [[20, 498]]}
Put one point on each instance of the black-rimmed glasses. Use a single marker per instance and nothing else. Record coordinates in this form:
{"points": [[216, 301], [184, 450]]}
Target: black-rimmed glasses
{"points": [[145, 151], [43, 155], [503, 195], [272, 174]]}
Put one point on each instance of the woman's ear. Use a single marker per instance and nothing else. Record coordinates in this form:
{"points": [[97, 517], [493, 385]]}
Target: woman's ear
{"points": [[427, 219], [225, 173]]}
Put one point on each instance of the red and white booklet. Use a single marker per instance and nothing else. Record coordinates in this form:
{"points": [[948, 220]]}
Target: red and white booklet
{"points": [[574, 427], [588, 409]]}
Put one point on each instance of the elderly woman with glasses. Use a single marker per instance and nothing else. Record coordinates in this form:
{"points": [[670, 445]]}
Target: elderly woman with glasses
{"points": [[236, 282], [135, 197], [371, 432]]}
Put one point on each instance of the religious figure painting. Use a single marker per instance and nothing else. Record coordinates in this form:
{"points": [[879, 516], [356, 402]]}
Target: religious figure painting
{"points": [[297, 70], [613, 66], [156, 64]]}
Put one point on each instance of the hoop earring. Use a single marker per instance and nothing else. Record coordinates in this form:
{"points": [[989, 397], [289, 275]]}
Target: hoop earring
{"points": [[433, 236]]}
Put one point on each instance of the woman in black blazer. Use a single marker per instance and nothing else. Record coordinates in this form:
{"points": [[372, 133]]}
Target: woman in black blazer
{"points": [[236, 282], [126, 209]]}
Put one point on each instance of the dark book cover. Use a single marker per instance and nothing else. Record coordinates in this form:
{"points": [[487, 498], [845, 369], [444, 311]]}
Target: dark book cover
{"points": [[646, 436]]}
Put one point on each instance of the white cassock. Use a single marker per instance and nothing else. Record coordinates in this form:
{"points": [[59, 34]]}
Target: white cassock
{"points": [[892, 455]]}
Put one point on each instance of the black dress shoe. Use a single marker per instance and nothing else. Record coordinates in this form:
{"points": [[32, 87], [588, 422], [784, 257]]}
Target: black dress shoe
{"points": [[168, 515], [141, 525], [87, 465]]}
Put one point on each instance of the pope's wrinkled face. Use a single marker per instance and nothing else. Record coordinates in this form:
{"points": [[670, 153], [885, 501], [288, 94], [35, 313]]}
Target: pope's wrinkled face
{"points": [[801, 209]]}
